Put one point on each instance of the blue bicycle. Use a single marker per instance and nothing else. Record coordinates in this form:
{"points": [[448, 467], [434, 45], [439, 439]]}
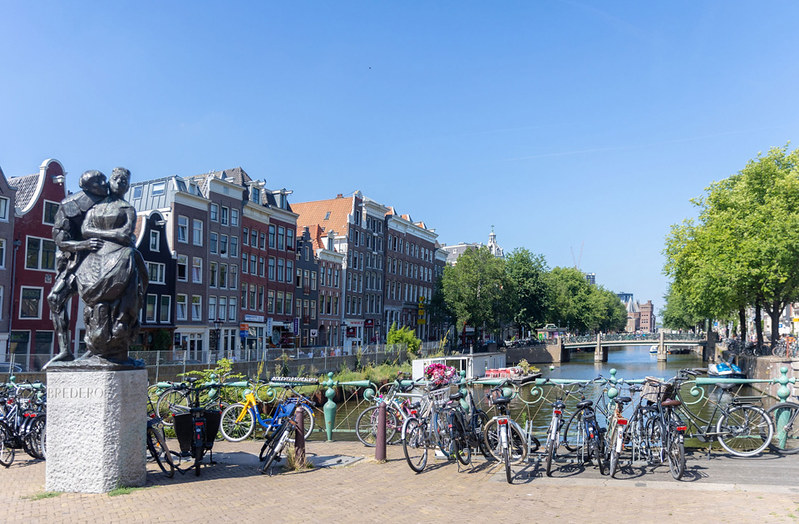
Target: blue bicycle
{"points": [[238, 420]]}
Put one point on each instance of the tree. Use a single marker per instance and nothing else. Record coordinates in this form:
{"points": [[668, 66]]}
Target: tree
{"points": [[528, 290], [744, 247], [569, 299], [677, 313], [474, 288], [404, 336], [610, 315]]}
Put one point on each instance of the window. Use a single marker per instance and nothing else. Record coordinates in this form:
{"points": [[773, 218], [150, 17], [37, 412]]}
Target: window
{"points": [[272, 237], [223, 245], [281, 270], [270, 301], [183, 229], [2, 254], [137, 192], [253, 268], [271, 268], [313, 310], [289, 271], [214, 213], [197, 232], [231, 309], [263, 241], [245, 236], [156, 272], [155, 240], [196, 307], [260, 298], [197, 270], [180, 302], [254, 238], [299, 277], [234, 246], [212, 278], [306, 278], [243, 297], [289, 303], [223, 275], [261, 266], [234, 217], [214, 241], [183, 268], [222, 311], [281, 238], [166, 304], [256, 195], [253, 304], [30, 305], [159, 188], [225, 217], [313, 280], [211, 309], [279, 303], [234, 276], [4, 209], [43, 342], [40, 254], [50, 209], [244, 263], [149, 315], [289, 238]]}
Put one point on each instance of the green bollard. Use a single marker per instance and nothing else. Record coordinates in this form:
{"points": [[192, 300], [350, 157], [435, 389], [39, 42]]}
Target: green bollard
{"points": [[330, 406], [613, 392], [783, 415]]}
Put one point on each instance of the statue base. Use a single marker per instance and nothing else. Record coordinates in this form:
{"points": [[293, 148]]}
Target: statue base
{"points": [[96, 426]]}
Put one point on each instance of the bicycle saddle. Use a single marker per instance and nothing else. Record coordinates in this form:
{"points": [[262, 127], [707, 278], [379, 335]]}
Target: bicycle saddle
{"points": [[585, 404], [192, 380], [501, 401], [456, 396], [670, 403], [623, 400]]}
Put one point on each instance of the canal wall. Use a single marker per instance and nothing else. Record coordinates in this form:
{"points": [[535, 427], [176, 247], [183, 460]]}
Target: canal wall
{"points": [[538, 354]]}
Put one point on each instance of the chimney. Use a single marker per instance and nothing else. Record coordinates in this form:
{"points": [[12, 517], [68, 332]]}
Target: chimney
{"points": [[340, 195]]}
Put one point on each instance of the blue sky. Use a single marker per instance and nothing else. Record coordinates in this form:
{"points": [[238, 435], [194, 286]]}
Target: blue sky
{"points": [[571, 127]]}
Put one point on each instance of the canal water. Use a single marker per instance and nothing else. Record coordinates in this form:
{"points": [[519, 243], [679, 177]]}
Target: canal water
{"points": [[534, 404]]}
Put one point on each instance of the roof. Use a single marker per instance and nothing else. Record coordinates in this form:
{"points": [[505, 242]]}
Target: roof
{"points": [[312, 214], [26, 189]]}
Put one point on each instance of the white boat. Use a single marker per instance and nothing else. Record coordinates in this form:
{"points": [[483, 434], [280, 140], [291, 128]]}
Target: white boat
{"points": [[653, 349]]}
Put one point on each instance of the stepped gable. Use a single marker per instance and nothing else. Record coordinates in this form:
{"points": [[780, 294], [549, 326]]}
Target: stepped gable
{"points": [[26, 189]]}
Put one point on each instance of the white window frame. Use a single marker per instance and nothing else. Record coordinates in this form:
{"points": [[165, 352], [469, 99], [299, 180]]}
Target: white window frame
{"points": [[160, 272], [214, 214], [183, 227], [155, 241], [199, 304], [41, 299], [185, 263], [5, 204], [41, 250], [147, 318], [196, 239], [213, 241], [44, 212], [234, 217], [185, 303], [198, 272], [224, 215]]}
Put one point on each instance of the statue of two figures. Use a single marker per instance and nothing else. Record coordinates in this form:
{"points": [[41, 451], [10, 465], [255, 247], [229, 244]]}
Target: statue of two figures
{"points": [[98, 260]]}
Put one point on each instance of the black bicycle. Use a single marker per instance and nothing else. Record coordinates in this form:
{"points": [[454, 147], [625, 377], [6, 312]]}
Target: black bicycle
{"points": [[196, 430], [156, 443]]}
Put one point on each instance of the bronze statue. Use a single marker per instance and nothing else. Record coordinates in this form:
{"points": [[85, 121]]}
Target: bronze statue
{"points": [[111, 278], [71, 250]]}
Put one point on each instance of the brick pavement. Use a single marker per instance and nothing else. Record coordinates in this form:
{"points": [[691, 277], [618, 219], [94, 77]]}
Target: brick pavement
{"points": [[367, 491]]}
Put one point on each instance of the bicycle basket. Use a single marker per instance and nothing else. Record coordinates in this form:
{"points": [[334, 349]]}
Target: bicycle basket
{"points": [[439, 397], [655, 390]]}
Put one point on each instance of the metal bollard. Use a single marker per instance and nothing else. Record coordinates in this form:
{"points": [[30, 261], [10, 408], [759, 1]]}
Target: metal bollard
{"points": [[329, 408], [380, 444], [299, 438]]}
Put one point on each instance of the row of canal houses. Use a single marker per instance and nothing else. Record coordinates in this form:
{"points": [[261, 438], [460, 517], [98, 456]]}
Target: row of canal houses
{"points": [[234, 267]]}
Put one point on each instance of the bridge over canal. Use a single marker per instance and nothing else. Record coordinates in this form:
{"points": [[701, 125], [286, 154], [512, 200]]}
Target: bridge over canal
{"points": [[664, 341]]}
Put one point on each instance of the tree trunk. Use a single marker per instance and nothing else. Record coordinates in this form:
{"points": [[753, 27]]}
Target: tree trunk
{"points": [[774, 313], [742, 323], [758, 325]]}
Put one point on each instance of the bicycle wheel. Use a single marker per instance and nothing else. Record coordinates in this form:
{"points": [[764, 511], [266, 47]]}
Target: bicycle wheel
{"points": [[785, 417], [550, 452], [653, 441], [518, 444], [462, 451], [280, 442], [233, 429], [506, 460], [598, 451], [414, 446], [6, 451], [34, 439], [745, 431], [170, 402], [308, 420], [613, 442], [156, 454], [676, 455], [366, 425], [443, 434], [271, 442], [572, 432]]}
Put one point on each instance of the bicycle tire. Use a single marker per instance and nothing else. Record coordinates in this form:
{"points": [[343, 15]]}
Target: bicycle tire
{"points": [[271, 442], [366, 426], [33, 443], [786, 436], [6, 452], [443, 435], [463, 452], [506, 460], [234, 431], [599, 451], [479, 433], [198, 456], [744, 431], [518, 442], [278, 447], [154, 452], [614, 451], [414, 445], [572, 431], [676, 456], [653, 440], [550, 457], [169, 400]]}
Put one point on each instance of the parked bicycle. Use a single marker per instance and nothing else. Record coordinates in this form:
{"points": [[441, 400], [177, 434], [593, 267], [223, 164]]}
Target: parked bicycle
{"points": [[503, 436], [665, 430], [156, 443], [23, 423], [196, 429]]}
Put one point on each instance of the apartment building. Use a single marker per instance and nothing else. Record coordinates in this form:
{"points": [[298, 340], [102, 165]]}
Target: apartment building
{"points": [[7, 201], [157, 317], [306, 292]]}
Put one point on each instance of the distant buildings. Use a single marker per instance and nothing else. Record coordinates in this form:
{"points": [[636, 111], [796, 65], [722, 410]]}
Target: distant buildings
{"points": [[640, 317], [456, 250]]}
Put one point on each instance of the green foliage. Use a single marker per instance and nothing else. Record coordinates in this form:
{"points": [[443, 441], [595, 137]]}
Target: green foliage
{"points": [[404, 336], [162, 340], [527, 367], [44, 495], [377, 374], [528, 291], [222, 372], [123, 491], [743, 249], [475, 289]]}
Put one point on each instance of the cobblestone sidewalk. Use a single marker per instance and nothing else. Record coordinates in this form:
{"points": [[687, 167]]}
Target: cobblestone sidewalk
{"points": [[366, 491]]}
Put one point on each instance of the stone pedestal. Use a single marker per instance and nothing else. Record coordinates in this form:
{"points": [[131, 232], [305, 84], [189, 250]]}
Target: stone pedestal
{"points": [[96, 426]]}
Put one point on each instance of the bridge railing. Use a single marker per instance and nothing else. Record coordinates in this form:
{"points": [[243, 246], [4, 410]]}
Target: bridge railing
{"points": [[633, 337]]}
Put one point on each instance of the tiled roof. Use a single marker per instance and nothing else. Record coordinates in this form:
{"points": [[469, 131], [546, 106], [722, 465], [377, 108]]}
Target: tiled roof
{"points": [[26, 189], [314, 213]]}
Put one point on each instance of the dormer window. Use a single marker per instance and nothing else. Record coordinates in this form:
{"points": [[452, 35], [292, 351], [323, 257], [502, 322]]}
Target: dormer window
{"points": [[256, 195]]}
